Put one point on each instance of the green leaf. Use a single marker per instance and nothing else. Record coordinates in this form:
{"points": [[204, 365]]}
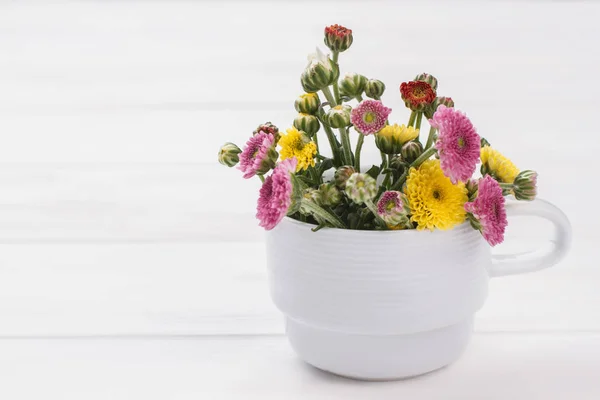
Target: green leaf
{"points": [[324, 166], [374, 171]]}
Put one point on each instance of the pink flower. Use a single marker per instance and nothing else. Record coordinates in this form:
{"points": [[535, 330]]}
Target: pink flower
{"points": [[488, 209], [275, 196], [259, 155], [369, 116], [393, 208], [458, 143]]}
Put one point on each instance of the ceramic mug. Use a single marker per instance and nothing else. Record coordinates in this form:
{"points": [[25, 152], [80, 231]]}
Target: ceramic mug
{"points": [[380, 305]]}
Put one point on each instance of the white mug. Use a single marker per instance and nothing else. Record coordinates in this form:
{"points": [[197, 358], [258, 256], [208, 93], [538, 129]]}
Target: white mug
{"points": [[381, 305]]}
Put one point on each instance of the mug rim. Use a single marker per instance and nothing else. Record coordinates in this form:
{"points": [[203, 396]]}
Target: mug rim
{"points": [[458, 228]]}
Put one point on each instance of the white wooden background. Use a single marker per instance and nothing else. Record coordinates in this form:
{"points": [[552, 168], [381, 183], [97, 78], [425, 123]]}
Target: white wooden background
{"points": [[130, 262]]}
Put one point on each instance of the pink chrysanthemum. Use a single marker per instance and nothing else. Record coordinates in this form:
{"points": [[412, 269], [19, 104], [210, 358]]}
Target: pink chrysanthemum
{"points": [[458, 143], [257, 155], [488, 209], [275, 196], [392, 207], [369, 116]]}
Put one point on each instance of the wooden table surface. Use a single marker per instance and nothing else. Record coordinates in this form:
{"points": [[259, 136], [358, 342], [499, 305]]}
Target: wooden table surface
{"points": [[131, 266]]}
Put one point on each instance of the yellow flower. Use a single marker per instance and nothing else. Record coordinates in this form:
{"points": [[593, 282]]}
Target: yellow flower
{"points": [[434, 201], [497, 165], [295, 144], [401, 132]]}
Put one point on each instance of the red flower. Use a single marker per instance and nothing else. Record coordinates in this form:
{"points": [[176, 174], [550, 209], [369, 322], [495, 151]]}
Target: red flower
{"points": [[417, 95], [338, 38]]}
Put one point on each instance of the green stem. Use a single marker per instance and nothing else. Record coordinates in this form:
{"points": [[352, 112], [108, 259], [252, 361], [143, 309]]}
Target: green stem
{"points": [[262, 178], [419, 118], [322, 214], [388, 175], [329, 96], [316, 140], [314, 176], [430, 138], [333, 143], [336, 90], [359, 144], [411, 120], [422, 158], [507, 186], [346, 146]]}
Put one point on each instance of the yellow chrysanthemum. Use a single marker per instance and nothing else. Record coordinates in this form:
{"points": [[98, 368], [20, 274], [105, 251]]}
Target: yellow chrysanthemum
{"points": [[497, 165], [402, 133], [434, 201], [295, 144]]}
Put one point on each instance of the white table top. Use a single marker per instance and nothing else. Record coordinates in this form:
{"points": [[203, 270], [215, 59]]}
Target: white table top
{"points": [[131, 266]]}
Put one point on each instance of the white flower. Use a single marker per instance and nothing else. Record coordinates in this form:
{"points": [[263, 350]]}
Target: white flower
{"points": [[319, 58]]}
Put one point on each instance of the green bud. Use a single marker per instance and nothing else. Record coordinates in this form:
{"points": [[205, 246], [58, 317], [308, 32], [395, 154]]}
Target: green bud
{"points": [[342, 174], [374, 89], [352, 85], [432, 108], [228, 154], [429, 79], [313, 195], [268, 127], [361, 188], [525, 185], [411, 151], [472, 186], [307, 103], [330, 195], [307, 123], [320, 72], [338, 116], [338, 38]]}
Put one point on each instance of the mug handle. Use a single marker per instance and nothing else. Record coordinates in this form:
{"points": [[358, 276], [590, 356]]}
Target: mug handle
{"points": [[545, 257]]}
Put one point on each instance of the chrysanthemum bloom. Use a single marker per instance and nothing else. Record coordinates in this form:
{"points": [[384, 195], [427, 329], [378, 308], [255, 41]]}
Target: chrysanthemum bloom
{"points": [[417, 95], [495, 164], [458, 143], [435, 202], [393, 208], [338, 38], [525, 185], [391, 137], [369, 116], [489, 211], [295, 144], [275, 196], [259, 155], [361, 188]]}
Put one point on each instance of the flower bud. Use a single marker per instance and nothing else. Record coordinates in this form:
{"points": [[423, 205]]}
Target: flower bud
{"points": [[307, 123], [313, 195], [268, 127], [411, 151], [525, 185], [228, 155], [391, 137], [432, 108], [361, 188], [393, 208], [352, 85], [429, 79], [342, 174], [320, 72], [484, 142], [338, 116], [398, 164], [338, 38], [374, 89], [308, 103], [330, 195], [471, 187]]}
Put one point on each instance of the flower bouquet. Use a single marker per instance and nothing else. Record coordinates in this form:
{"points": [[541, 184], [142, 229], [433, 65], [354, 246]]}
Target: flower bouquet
{"points": [[392, 292], [424, 181]]}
